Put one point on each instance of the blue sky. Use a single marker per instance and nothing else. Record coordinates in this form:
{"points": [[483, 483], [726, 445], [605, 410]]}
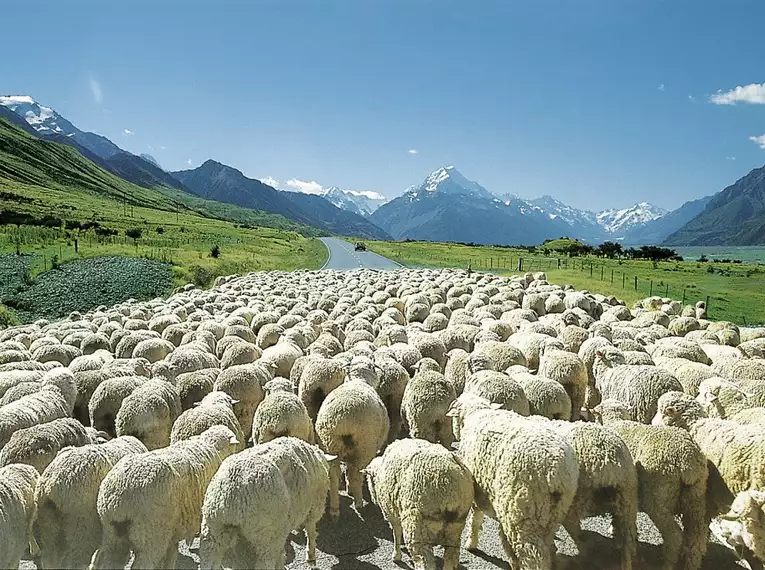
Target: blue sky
{"points": [[599, 103]]}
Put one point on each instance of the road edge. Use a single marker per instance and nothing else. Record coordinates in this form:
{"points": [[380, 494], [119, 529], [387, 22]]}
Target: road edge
{"points": [[329, 254]]}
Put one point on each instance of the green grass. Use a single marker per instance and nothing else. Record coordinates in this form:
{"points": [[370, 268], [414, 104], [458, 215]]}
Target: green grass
{"points": [[736, 291], [40, 178]]}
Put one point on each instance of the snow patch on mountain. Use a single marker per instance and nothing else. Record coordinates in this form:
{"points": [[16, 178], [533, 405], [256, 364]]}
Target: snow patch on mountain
{"points": [[43, 119], [618, 221]]}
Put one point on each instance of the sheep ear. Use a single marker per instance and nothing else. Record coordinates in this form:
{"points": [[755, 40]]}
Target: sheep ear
{"points": [[495, 406], [453, 410], [233, 441], [233, 402], [330, 458], [455, 446], [670, 410], [195, 404], [599, 354]]}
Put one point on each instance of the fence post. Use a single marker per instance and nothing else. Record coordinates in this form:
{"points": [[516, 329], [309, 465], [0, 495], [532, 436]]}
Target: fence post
{"points": [[590, 268], [624, 277], [559, 263], [520, 264], [666, 292], [650, 291], [707, 306], [612, 277], [635, 282], [602, 268], [684, 290]]}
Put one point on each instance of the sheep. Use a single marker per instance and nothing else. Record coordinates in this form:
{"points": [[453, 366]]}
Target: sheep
{"points": [[638, 386], [424, 405], [546, 397], [352, 423], [216, 408], [500, 388], [525, 476], [38, 445], [689, 374], [287, 482], [46, 405], [737, 451], [280, 414], [320, 376], [153, 349], [500, 356], [532, 345], [193, 386], [239, 353], [742, 525], [425, 493], [150, 501], [282, 355], [672, 479], [17, 513], [148, 413], [107, 399], [244, 383], [393, 379], [566, 368], [67, 527]]}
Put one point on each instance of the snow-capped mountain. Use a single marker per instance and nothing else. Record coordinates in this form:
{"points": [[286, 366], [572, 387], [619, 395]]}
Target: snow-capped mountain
{"points": [[362, 202], [620, 221], [151, 159]]}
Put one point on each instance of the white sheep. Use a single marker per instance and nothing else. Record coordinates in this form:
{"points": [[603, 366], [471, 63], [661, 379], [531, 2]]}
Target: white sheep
{"points": [[425, 493], [148, 413], [319, 377], [150, 501], [67, 528], [424, 405], [567, 369], [216, 408], [107, 399], [244, 383], [46, 405], [352, 423], [281, 414], [17, 513]]}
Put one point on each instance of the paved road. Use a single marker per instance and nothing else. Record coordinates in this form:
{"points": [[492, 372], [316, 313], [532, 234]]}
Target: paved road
{"points": [[343, 257]]}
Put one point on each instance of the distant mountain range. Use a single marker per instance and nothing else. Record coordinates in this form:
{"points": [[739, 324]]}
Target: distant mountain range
{"points": [[446, 206], [449, 207], [215, 181]]}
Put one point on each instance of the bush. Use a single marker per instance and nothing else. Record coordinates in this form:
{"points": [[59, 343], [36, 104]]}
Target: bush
{"points": [[200, 276], [134, 233], [7, 318], [160, 230], [215, 252]]}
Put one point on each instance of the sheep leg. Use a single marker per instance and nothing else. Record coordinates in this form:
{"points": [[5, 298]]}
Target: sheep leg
{"points": [[310, 534], [171, 556], [510, 552], [451, 557], [422, 556], [211, 550], [452, 535], [670, 534], [81, 536], [475, 522], [114, 551], [355, 485], [398, 532]]}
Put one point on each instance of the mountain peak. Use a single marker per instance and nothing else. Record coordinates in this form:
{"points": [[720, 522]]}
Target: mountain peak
{"points": [[449, 180], [8, 100]]}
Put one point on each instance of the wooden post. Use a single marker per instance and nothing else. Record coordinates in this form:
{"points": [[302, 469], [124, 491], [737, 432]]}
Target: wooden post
{"points": [[590, 268], [612, 277], [520, 264], [624, 277], [602, 268], [650, 291], [635, 282], [684, 290], [666, 291], [707, 305], [559, 263]]}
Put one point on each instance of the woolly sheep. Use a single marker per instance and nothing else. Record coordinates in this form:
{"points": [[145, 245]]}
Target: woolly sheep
{"points": [[393, 379], [193, 386], [17, 513], [239, 353], [280, 414], [150, 501], [742, 525], [107, 399], [282, 355], [570, 371], [244, 383], [547, 398], [352, 423], [286, 481], [153, 349], [43, 406], [425, 402], [38, 445], [532, 345], [737, 452], [425, 494], [67, 528], [320, 376], [498, 387], [519, 467], [148, 413], [672, 480], [216, 408], [638, 386]]}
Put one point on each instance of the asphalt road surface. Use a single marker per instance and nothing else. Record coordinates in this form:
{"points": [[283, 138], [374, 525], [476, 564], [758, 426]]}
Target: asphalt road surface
{"points": [[343, 257]]}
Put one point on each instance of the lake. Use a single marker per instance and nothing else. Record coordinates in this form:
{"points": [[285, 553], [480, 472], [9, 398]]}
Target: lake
{"points": [[747, 254]]}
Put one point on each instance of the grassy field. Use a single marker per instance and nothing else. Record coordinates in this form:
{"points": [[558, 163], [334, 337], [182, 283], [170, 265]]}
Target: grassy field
{"points": [[736, 291], [58, 208]]}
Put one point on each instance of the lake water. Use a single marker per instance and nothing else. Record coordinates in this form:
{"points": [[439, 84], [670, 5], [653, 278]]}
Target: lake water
{"points": [[747, 254]]}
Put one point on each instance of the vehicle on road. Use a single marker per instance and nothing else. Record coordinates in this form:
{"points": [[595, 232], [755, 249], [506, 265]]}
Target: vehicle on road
{"points": [[360, 246]]}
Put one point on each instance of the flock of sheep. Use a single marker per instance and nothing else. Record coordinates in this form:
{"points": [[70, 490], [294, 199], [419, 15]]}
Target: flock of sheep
{"points": [[232, 414]]}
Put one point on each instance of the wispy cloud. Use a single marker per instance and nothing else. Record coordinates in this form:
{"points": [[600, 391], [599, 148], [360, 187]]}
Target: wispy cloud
{"points": [[163, 147], [305, 187], [730, 158], [149, 147], [270, 181], [753, 93], [189, 162], [759, 141], [691, 98], [95, 88], [412, 151], [660, 87], [128, 132]]}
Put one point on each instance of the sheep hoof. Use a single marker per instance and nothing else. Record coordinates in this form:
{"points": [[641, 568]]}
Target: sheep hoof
{"points": [[397, 556], [334, 515]]}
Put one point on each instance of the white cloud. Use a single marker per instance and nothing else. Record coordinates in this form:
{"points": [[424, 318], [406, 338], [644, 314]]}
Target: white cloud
{"points": [[412, 151], [311, 187], [752, 93], [189, 162], [660, 87], [163, 147], [128, 132], [149, 147], [691, 98], [95, 88], [270, 181], [730, 158], [759, 141], [371, 194]]}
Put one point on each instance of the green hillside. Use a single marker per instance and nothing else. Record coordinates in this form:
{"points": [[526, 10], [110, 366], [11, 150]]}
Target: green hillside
{"points": [[58, 207]]}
